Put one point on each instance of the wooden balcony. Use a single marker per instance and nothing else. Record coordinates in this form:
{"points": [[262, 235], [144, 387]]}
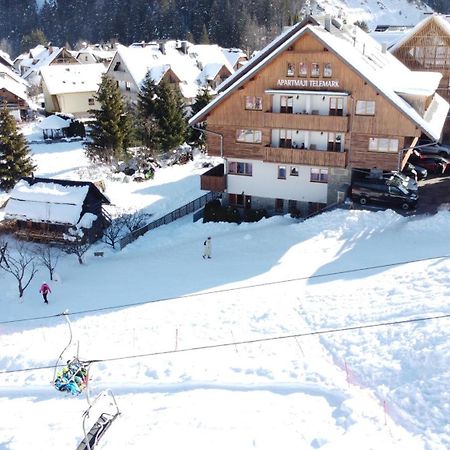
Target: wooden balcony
{"points": [[312, 122], [214, 180], [306, 157]]}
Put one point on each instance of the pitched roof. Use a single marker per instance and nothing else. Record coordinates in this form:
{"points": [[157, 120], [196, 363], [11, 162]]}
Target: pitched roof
{"points": [[440, 21], [188, 63], [45, 58], [53, 123], [72, 78], [364, 55]]}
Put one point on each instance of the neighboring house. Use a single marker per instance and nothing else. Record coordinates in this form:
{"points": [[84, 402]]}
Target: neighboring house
{"points": [[426, 47], [5, 59], [190, 67], [236, 57], [314, 107], [93, 54], [71, 88], [14, 93], [31, 63], [390, 34], [44, 209]]}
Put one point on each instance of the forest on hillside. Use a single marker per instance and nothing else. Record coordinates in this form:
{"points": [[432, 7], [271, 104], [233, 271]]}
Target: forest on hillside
{"points": [[247, 24], [229, 23]]}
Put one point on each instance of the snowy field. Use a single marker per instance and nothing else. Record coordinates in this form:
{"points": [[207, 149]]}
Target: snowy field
{"points": [[377, 388]]}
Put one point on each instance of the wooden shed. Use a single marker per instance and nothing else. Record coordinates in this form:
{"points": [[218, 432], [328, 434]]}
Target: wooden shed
{"points": [[43, 209]]}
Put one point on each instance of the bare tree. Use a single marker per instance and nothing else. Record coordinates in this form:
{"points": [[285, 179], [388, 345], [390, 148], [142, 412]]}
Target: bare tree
{"points": [[76, 243], [114, 232], [21, 263], [135, 220], [48, 256]]}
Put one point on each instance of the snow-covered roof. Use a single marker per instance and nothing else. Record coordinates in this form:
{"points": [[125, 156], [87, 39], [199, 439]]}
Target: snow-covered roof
{"points": [[5, 71], [440, 20], [192, 64], [359, 51], [97, 52], [46, 202], [43, 59], [16, 88], [53, 123], [71, 78], [6, 57], [233, 55]]}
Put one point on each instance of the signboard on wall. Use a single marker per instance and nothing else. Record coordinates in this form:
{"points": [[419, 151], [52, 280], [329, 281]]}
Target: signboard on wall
{"points": [[308, 83]]}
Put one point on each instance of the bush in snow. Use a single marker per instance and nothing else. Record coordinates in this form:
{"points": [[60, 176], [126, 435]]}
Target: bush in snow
{"points": [[48, 255], [76, 243]]}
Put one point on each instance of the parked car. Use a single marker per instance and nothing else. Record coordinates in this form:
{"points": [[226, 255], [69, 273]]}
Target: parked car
{"points": [[416, 172], [433, 163], [394, 179], [435, 149], [372, 191]]}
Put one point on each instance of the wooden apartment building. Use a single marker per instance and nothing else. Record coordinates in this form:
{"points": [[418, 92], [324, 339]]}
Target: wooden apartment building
{"points": [[318, 103], [426, 47]]}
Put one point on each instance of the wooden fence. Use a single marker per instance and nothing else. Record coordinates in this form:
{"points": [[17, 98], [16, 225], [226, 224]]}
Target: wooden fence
{"points": [[168, 218]]}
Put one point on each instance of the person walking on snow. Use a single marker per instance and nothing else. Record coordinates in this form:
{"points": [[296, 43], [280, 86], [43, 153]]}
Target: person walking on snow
{"points": [[44, 290], [207, 248]]}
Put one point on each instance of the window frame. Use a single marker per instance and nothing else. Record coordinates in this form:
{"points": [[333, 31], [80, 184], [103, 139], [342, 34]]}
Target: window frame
{"points": [[290, 69], [280, 170], [383, 145], [365, 108], [257, 139], [286, 104], [327, 70], [315, 70], [303, 69], [293, 171], [241, 168], [318, 175], [252, 104]]}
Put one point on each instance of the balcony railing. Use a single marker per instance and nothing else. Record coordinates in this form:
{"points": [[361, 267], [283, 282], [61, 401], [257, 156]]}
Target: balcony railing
{"points": [[306, 157], [306, 122], [214, 180]]}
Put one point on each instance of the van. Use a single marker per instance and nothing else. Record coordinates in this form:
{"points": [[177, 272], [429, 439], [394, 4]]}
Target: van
{"points": [[372, 191]]}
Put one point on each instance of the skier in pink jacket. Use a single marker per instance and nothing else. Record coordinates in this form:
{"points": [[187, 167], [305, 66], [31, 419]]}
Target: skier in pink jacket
{"points": [[44, 290]]}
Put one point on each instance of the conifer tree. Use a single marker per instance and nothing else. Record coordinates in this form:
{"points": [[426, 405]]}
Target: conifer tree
{"points": [[170, 116], [197, 138], [111, 130], [15, 160]]}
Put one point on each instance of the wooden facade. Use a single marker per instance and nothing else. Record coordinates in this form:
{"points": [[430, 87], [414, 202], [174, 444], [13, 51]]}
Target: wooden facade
{"points": [[428, 49], [232, 115]]}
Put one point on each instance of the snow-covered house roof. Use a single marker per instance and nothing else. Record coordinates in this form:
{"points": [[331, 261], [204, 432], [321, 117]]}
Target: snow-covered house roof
{"points": [[97, 52], [364, 55], [53, 123], [72, 78], [48, 200], [191, 64], [441, 21], [18, 89], [6, 59], [233, 56]]}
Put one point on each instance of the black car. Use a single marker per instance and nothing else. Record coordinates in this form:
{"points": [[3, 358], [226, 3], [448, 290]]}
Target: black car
{"points": [[366, 191], [433, 163], [435, 149], [415, 172], [392, 179]]}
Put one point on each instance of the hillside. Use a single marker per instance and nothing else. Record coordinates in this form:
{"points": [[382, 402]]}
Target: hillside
{"points": [[379, 388], [217, 21]]}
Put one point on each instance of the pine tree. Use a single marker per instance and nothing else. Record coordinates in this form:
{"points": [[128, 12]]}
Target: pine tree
{"points": [[15, 160], [170, 117], [111, 130], [197, 138]]}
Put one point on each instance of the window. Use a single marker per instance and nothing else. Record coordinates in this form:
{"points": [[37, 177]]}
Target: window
{"points": [[281, 172], [279, 203], [286, 104], [292, 205], [240, 168], [334, 142], [365, 107], [253, 103], [236, 199], [117, 66], [383, 145], [315, 70], [250, 136], [91, 101], [290, 69], [336, 106], [327, 70], [86, 58], [303, 70], [286, 138], [294, 172], [319, 176], [127, 86]]}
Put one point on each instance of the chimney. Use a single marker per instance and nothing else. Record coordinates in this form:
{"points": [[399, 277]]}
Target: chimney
{"points": [[184, 47], [50, 48], [162, 48], [384, 47], [327, 22]]}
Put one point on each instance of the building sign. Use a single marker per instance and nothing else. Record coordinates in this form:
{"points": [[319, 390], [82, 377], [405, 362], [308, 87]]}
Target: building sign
{"points": [[308, 83]]}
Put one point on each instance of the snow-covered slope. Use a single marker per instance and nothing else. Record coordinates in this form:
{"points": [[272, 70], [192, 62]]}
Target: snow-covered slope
{"points": [[374, 12], [383, 388]]}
